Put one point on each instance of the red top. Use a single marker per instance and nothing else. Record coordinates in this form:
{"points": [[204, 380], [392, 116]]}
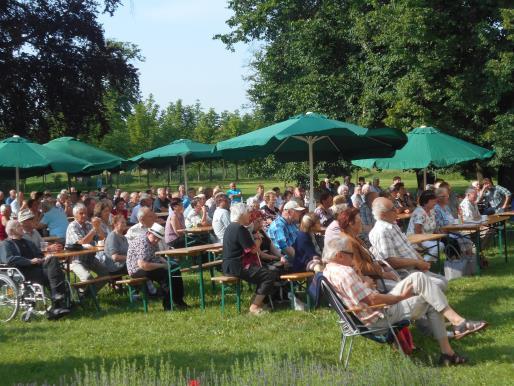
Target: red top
{"points": [[3, 235], [250, 258], [123, 212]]}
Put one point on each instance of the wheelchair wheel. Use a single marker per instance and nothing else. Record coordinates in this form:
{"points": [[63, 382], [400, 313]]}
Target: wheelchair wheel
{"points": [[9, 301]]}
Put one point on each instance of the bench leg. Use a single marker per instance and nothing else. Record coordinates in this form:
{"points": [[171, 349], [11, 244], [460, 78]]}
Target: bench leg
{"points": [[291, 292], [92, 290], [145, 297], [238, 297], [202, 289], [222, 298]]}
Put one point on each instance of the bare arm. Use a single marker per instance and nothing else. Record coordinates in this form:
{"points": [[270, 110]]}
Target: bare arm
{"points": [[118, 258], [148, 266], [176, 226]]}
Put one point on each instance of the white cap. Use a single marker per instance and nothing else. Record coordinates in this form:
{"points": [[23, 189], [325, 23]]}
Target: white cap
{"points": [[25, 214], [293, 205], [157, 230]]}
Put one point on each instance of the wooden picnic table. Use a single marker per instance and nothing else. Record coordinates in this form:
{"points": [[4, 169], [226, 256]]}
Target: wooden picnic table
{"points": [[195, 231], [506, 214], [403, 216], [419, 238], [181, 253], [66, 254], [52, 238], [474, 228]]}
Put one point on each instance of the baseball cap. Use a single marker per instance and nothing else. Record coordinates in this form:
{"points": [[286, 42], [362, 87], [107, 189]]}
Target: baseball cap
{"points": [[293, 205]]}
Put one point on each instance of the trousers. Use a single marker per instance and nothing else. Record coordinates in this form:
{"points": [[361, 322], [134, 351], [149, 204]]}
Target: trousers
{"points": [[160, 276], [262, 277], [49, 275]]}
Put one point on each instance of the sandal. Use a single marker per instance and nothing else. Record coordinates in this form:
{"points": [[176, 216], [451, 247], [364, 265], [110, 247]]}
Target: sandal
{"points": [[258, 312], [468, 327], [455, 359]]}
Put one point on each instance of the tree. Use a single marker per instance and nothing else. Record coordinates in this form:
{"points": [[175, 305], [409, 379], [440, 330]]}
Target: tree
{"points": [[382, 63], [143, 126], [56, 67]]}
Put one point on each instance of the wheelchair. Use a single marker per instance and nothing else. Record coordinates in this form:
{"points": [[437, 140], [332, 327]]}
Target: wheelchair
{"points": [[17, 294]]}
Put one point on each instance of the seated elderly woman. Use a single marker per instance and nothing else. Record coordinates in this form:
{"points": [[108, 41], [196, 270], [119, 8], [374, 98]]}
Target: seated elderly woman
{"points": [[333, 229], [383, 275], [240, 257], [413, 298], [322, 211], [269, 209], [444, 216], [116, 246], [175, 225], [423, 221], [197, 216], [307, 253]]}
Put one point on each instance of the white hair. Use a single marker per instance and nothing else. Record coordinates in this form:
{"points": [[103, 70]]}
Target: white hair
{"points": [[470, 190], [3, 208], [334, 246], [251, 201], [342, 188], [142, 211], [78, 207], [237, 210], [365, 188], [377, 208], [339, 208], [10, 226], [441, 191]]}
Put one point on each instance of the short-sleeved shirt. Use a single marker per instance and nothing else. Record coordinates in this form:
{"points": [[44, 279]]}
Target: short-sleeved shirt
{"points": [[76, 232], [443, 215], [220, 222], [133, 215], [421, 217], [170, 233], [236, 241], [350, 287], [114, 244], [387, 240], [34, 236], [366, 214], [469, 210], [282, 233], [234, 191], [496, 196], [325, 215], [56, 221], [158, 204], [140, 249]]}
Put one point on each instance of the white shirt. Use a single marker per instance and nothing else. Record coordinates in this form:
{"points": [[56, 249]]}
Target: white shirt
{"points": [[220, 222], [138, 230], [469, 211]]}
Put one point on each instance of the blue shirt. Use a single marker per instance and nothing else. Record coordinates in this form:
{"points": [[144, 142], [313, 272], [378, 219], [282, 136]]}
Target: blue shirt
{"points": [[234, 191], [186, 202], [282, 234], [133, 215], [56, 221]]}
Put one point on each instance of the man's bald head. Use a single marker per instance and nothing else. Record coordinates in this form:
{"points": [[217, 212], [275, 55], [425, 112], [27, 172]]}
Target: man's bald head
{"points": [[383, 209]]}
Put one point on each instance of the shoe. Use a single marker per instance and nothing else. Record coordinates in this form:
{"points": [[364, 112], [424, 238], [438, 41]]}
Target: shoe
{"points": [[57, 313], [182, 305], [455, 359]]}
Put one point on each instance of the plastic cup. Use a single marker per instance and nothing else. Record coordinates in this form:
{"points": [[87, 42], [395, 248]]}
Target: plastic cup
{"points": [[43, 246]]}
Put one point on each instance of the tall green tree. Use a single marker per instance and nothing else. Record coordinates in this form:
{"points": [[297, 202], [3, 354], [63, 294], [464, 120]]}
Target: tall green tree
{"points": [[56, 66], [143, 126], [401, 63]]}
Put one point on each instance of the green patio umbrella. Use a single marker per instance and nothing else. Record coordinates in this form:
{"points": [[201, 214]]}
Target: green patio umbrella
{"points": [[18, 154], [179, 151], [312, 136], [428, 147], [100, 159]]}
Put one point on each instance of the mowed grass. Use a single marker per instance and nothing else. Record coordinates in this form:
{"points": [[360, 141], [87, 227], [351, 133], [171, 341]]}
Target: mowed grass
{"points": [[203, 340]]}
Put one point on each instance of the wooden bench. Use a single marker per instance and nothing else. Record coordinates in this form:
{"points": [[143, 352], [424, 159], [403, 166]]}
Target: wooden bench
{"points": [[207, 265], [132, 284], [229, 280], [299, 278], [90, 284]]}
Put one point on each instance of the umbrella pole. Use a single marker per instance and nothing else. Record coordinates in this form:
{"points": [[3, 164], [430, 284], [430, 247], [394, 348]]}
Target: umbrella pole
{"points": [[312, 204], [185, 172], [17, 180], [424, 178]]}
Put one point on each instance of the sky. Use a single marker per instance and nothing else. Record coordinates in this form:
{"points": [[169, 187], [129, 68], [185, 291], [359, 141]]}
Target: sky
{"points": [[182, 61]]}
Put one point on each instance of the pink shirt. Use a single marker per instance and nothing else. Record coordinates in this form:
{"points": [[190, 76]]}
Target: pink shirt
{"points": [[351, 289]]}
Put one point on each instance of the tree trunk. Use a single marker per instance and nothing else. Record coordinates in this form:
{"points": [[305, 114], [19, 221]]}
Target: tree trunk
{"points": [[210, 170], [237, 172], [480, 172], [148, 178], [139, 174], [224, 169], [198, 172]]}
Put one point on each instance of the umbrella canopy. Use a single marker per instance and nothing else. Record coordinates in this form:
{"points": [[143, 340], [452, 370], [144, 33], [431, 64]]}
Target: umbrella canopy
{"points": [[100, 159], [429, 147], [18, 154], [179, 151], [312, 136]]}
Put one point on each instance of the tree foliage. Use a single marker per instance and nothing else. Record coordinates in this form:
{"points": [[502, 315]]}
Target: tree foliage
{"points": [[403, 63], [57, 67]]}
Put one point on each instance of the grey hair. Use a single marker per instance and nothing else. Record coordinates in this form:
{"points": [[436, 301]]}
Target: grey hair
{"points": [[3, 208], [237, 210], [78, 207], [440, 191], [342, 188], [10, 226], [161, 190], [336, 209], [470, 190], [251, 201], [142, 211], [334, 246], [377, 208]]}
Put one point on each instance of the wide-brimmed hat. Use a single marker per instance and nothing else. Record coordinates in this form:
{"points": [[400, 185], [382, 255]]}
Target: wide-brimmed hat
{"points": [[25, 214], [157, 230], [293, 205]]}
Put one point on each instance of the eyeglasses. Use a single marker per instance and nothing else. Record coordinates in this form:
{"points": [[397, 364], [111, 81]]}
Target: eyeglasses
{"points": [[347, 253]]}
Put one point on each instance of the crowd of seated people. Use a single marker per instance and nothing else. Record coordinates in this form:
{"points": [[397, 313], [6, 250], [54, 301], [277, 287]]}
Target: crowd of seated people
{"points": [[364, 252]]}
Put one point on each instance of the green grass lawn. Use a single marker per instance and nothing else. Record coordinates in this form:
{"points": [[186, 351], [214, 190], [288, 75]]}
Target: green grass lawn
{"points": [[201, 340]]}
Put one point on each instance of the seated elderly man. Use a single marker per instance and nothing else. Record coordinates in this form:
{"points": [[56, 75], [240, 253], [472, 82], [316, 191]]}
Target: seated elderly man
{"points": [[468, 206], [221, 217], [54, 218], [197, 216], [142, 262], [389, 243], [161, 202], [26, 219], [368, 221], [16, 251], [240, 257], [412, 298], [81, 231], [496, 197], [284, 229]]}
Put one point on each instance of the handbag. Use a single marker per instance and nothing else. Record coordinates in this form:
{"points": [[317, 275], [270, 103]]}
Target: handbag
{"points": [[406, 341]]}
